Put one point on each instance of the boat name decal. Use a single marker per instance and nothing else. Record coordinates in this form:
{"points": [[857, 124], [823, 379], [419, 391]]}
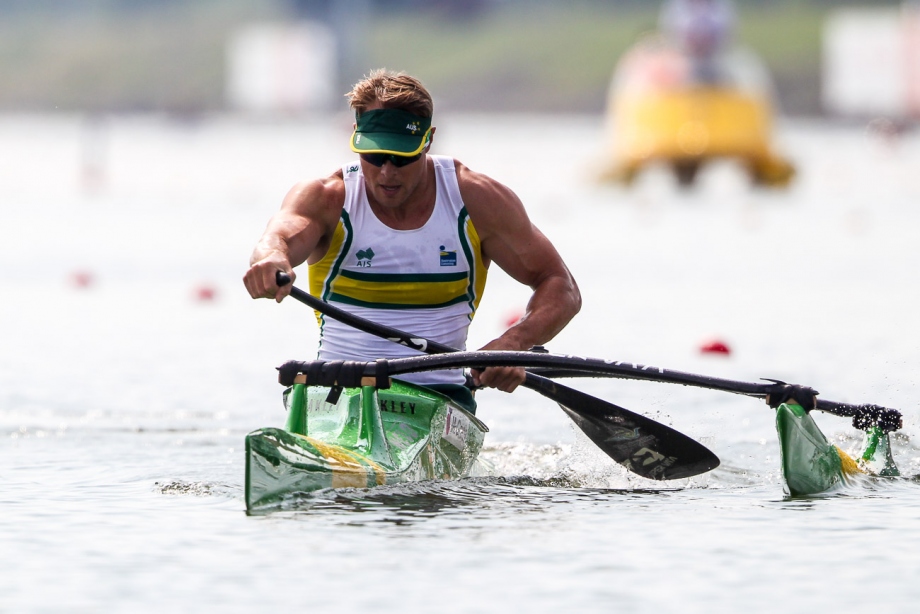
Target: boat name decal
{"points": [[397, 408]]}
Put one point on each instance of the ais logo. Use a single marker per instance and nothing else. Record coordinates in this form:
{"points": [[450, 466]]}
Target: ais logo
{"points": [[364, 257]]}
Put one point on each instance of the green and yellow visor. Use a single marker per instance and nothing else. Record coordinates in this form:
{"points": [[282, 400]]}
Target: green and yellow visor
{"points": [[390, 131]]}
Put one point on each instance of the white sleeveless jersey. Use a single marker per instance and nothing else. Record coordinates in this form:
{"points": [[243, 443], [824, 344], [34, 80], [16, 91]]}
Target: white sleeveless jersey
{"points": [[427, 281]]}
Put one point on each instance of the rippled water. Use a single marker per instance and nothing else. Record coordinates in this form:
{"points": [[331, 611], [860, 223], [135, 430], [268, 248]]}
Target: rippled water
{"points": [[124, 401]]}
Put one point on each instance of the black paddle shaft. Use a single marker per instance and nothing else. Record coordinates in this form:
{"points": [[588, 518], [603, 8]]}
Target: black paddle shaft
{"points": [[642, 445], [592, 367]]}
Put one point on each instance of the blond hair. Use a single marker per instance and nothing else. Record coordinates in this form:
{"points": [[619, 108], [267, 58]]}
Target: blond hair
{"points": [[393, 91]]}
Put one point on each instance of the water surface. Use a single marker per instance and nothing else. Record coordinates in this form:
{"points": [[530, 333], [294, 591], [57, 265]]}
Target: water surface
{"points": [[124, 402]]}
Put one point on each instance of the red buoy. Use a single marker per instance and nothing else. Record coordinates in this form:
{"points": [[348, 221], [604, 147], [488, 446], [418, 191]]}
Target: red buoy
{"points": [[715, 346], [81, 279], [205, 293]]}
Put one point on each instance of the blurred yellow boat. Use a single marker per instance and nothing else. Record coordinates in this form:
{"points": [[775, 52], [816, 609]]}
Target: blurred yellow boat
{"points": [[658, 113]]}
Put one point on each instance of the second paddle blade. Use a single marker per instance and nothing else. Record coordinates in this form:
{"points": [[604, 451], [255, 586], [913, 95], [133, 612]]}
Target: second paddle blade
{"points": [[645, 447]]}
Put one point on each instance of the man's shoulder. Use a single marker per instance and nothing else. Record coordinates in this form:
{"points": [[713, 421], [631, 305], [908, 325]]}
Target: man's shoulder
{"points": [[476, 187], [331, 184], [493, 207], [469, 179], [334, 191], [325, 195]]}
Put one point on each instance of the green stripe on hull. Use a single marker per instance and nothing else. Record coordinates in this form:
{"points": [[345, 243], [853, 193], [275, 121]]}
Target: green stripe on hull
{"points": [[368, 438], [279, 462]]}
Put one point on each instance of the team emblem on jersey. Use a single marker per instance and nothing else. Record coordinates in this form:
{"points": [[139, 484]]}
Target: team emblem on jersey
{"points": [[364, 257], [448, 258]]}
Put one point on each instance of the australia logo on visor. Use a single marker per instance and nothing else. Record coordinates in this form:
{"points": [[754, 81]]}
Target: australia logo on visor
{"points": [[413, 128]]}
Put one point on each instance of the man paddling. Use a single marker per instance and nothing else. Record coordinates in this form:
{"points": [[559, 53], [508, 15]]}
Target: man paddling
{"points": [[405, 239]]}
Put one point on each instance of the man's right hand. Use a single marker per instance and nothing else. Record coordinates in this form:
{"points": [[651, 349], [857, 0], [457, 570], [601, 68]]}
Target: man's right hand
{"points": [[260, 278]]}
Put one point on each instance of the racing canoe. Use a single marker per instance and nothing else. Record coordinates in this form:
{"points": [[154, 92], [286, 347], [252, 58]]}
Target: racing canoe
{"points": [[812, 465], [366, 437]]}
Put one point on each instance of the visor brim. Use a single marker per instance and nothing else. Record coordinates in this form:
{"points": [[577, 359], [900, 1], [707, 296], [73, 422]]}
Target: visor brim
{"points": [[389, 143]]}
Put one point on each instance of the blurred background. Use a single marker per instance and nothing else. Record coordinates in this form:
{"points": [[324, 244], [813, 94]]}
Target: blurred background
{"points": [[129, 126], [190, 57]]}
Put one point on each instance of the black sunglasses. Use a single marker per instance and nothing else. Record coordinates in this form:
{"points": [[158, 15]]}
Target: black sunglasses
{"points": [[379, 159]]}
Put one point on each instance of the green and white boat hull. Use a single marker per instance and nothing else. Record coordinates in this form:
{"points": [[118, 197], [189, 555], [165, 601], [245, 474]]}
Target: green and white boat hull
{"points": [[812, 465], [367, 438]]}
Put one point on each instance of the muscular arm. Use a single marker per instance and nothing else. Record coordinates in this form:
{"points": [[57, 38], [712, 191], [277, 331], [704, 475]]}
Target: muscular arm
{"points": [[298, 232], [511, 240]]}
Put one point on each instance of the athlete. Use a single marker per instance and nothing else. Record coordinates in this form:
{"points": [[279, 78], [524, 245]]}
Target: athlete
{"points": [[702, 29], [405, 239]]}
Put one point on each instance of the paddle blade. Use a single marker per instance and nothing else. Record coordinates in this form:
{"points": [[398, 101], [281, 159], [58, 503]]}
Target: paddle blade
{"points": [[645, 447]]}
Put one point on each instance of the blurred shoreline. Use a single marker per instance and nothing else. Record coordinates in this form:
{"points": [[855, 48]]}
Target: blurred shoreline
{"points": [[507, 56]]}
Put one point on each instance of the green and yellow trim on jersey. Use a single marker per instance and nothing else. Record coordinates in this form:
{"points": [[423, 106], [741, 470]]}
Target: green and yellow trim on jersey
{"points": [[469, 240], [322, 274], [330, 281], [395, 291]]}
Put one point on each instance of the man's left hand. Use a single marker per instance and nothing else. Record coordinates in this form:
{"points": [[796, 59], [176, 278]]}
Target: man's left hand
{"points": [[505, 379]]}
